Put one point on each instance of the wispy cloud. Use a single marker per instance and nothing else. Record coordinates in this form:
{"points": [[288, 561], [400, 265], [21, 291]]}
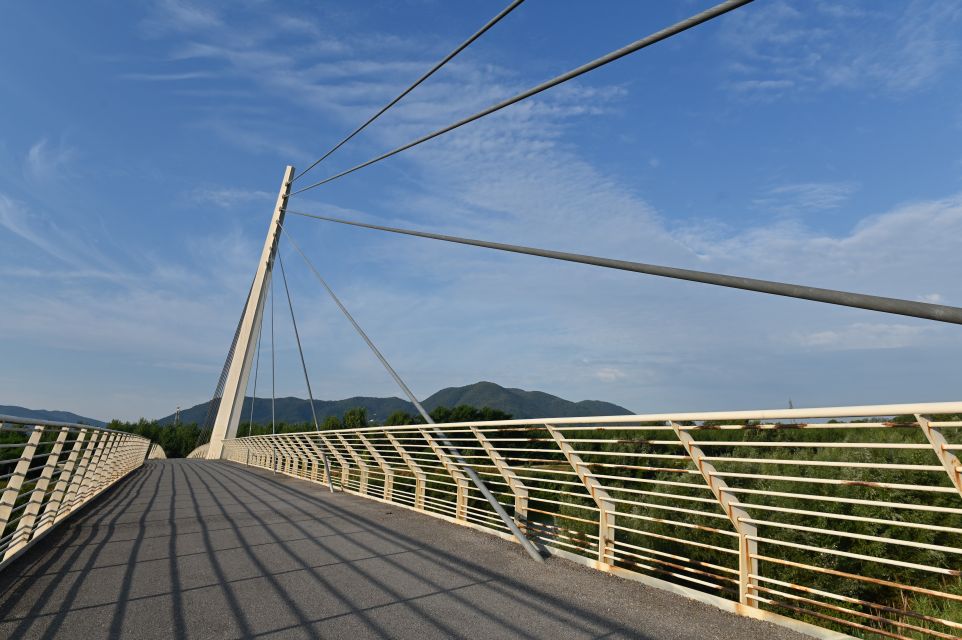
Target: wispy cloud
{"points": [[788, 49], [864, 336], [168, 77], [45, 161], [806, 197], [227, 198]]}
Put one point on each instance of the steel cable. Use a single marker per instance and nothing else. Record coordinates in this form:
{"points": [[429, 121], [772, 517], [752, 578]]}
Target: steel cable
{"points": [[897, 306], [307, 380], [446, 443], [664, 34], [464, 45]]}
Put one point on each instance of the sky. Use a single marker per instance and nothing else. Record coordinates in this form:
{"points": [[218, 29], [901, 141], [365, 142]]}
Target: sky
{"points": [[142, 145]]}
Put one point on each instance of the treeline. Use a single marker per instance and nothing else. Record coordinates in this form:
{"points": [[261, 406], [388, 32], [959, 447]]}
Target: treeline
{"points": [[179, 440]]}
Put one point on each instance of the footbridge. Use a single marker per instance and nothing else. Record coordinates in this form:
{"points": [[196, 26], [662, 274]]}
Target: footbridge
{"points": [[786, 523], [823, 522]]}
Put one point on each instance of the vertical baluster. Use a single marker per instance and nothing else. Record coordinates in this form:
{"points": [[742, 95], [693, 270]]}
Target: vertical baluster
{"points": [[28, 519], [606, 508], [16, 480]]}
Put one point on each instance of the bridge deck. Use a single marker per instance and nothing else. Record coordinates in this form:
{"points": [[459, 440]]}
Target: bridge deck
{"points": [[213, 550]]}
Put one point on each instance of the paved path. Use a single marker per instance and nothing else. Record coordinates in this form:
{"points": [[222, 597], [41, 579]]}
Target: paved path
{"points": [[193, 549]]}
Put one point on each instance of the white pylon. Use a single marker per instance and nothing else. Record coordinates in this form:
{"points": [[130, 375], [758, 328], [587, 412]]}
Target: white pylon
{"points": [[235, 387]]}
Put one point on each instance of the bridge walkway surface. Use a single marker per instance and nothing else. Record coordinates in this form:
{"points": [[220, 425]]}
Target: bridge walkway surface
{"points": [[197, 549]]}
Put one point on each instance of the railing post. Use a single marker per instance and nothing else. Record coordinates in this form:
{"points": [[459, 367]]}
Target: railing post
{"points": [[606, 508], [77, 481], [361, 465], [28, 518], [98, 467], [341, 460], [12, 492], [420, 478], [939, 444], [325, 463], [747, 546], [460, 479], [52, 510], [386, 469], [291, 457], [517, 487]]}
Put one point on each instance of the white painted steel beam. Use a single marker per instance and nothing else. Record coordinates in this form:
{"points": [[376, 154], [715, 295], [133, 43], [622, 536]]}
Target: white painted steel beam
{"points": [[232, 400]]}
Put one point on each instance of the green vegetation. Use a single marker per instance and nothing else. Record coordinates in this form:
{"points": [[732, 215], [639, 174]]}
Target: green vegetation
{"points": [[178, 441]]}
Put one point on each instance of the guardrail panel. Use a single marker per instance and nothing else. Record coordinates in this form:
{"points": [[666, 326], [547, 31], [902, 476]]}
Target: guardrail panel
{"points": [[58, 467]]}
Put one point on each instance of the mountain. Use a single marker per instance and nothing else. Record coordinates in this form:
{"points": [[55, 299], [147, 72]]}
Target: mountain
{"points": [[292, 410], [518, 402], [45, 414]]}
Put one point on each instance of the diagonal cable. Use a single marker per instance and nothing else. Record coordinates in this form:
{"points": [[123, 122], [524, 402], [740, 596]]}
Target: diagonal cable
{"points": [[664, 34], [307, 380], [897, 306], [452, 450], [464, 45]]}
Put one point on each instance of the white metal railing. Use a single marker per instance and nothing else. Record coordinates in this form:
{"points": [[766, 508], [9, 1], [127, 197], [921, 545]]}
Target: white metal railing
{"points": [[48, 470], [848, 518], [200, 452], [156, 452]]}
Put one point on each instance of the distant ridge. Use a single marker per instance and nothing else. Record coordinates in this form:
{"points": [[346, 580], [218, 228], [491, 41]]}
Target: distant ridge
{"points": [[46, 414], [518, 402]]}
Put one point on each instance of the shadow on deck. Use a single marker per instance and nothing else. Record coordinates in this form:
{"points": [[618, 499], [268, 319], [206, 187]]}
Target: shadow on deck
{"points": [[213, 550]]}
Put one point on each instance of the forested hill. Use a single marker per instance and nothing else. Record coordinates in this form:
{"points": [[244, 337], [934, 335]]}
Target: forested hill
{"points": [[517, 402]]}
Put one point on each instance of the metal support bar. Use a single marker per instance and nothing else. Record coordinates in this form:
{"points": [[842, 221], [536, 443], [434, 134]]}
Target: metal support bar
{"points": [[15, 481], [747, 545], [518, 488], [28, 518], [940, 445], [420, 478], [341, 460], [361, 465], [606, 508], [324, 461], [386, 469], [73, 491], [460, 479], [52, 510]]}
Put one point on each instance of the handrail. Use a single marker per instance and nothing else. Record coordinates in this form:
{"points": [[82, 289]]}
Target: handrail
{"points": [[59, 468], [857, 522]]}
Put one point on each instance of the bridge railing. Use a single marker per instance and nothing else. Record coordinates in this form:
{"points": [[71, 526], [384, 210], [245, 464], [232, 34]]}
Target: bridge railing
{"points": [[199, 452], [48, 470], [156, 452], [848, 518]]}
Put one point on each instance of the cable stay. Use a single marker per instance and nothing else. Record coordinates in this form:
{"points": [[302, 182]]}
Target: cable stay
{"points": [[658, 36], [897, 306], [454, 452], [461, 47], [307, 380]]}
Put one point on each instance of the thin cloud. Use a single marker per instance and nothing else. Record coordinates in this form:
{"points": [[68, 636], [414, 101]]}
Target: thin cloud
{"points": [[45, 161], [806, 197], [788, 49]]}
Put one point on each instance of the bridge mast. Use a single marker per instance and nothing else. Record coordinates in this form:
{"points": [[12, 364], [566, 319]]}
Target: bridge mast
{"points": [[235, 387]]}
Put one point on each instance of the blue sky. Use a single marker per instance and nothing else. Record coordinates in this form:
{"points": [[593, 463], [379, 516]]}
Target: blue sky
{"points": [[142, 145]]}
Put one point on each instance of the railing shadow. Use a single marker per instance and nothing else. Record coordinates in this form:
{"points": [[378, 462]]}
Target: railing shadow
{"points": [[256, 534]]}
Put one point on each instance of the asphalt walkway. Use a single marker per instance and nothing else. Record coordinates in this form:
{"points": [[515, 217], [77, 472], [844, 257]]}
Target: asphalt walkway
{"points": [[196, 549]]}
